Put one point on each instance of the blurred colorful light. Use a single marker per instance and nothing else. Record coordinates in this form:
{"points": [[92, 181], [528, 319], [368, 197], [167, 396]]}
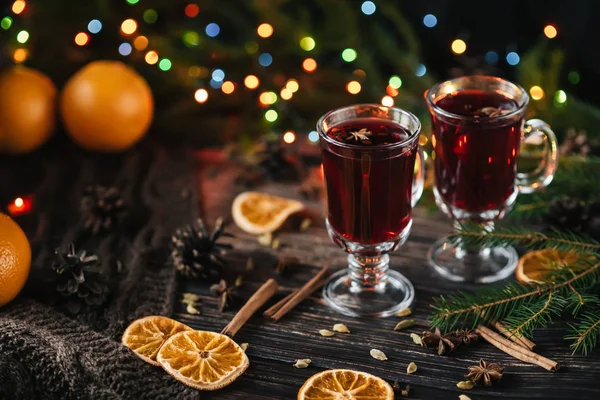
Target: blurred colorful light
{"points": [[201, 95], [191, 10], [353, 87], [228, 87], [18, 7], [289, 137], [309, 65], [307, 43], [94, 26], [251, 82], [349, 55], [264, 30], [81, 39], [129, 26]]}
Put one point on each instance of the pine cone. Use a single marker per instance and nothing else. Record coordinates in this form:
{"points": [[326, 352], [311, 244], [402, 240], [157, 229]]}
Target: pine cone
{"points": [[276, 164], [577, 143], [101, 208], [79, 278], [196, 254], [568, 214]]}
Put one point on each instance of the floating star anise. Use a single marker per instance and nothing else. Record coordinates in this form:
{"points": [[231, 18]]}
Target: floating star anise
{"points": [[227, 294], [360, 136], [466, 335], [444, 343], [485, 374]]}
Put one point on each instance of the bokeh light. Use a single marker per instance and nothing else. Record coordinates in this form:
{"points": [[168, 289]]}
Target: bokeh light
{"points": [[165, 64], [18, 7], [94, 26], [395, 82], [201, 95], [129, 26], [140, 43], [191, 38], [216, 84], [264, 30], [212, 29], [387, 101], [251, 47], [20, 55], [228, 87], [286, 93], [218, 75], [191, 10], [359, 72], [430, 20], [81, 39], [197, 72], [150, 16], [151, 57], [550, 31], [307, 43], [251, 82], [349, 55], [491, 57], [391, 91], [23, 37], [353, 87], [292, 85], [133, 1], [125, 50], [268, 98], [421, 70], [309, 64], [513, 58], [459, 46], [536, 92], [271, 115], [313, 136], [6, 23], [368, 7], [289, 137], [560, 96], [265, 59], [574, 77]]}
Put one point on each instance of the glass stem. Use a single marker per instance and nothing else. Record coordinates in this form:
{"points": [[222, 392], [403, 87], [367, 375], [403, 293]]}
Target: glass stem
{"points": [[473, 256], [368, 272]]}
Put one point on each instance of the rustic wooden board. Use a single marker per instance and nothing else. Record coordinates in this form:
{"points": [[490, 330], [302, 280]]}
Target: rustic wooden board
{"points": [[273, 347]]}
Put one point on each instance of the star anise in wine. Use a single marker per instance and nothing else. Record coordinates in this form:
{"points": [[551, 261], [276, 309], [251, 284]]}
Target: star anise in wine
{"points": [[444, 343], [466, 335], [227, 294], [360, 136], [485, 374]]}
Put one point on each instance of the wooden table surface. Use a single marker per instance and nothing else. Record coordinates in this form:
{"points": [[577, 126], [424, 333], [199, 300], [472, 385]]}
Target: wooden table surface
{"points": [[274, 346]]}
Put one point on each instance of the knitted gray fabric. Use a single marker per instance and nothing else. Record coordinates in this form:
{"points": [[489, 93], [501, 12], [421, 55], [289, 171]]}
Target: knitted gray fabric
{"points": [[46, 354]]}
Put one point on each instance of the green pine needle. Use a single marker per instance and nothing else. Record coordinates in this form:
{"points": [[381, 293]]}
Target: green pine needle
{"points": [[586, 332]]}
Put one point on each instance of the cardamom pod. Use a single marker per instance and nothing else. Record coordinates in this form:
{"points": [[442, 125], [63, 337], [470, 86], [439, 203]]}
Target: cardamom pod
{"points": [[303, 363], [412, 368], [244, 346], [250, 264], [417, 339], [407, 323], [463, 397], [191, 309], [465, 385], [306, 222], [341, 328], [325, 332], [378, 355], [405, 312], [265, 239]]}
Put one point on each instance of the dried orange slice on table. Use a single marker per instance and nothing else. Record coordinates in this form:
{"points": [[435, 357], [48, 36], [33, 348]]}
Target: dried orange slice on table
{"points": [[533, 266], [258, 213], [345, 384], [145, 336], [203, 360]]}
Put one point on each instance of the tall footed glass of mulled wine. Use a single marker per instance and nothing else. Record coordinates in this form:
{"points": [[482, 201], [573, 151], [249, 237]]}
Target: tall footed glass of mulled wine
{"points": [[369, 156], [478, 128]]}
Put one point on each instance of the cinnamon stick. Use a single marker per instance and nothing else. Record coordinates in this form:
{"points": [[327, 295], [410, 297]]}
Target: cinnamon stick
{"points": [[258, 299], [515, 350], [520, 340], [277, 306], [300, 295]]}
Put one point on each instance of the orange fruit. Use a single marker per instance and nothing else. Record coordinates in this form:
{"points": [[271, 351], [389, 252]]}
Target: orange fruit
{"points": [[345, 384], [145, 336], [27, 110], [15, 259], [534, 265], [259, 213], [106, 106], [203, 360]]}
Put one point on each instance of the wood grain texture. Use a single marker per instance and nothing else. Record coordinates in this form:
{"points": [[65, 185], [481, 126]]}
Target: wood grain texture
{"points": [[274, 346]]}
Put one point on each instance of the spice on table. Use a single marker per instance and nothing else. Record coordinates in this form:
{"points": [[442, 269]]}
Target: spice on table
{"points": [[407, 323], [378, 355], [405, 312], [192, 300], [250, 264], [305, 224], [404, 392], [303, 363], [463, 397], [265, 239], [244, 346], [465, 385], [518, 339], [444, 343], [341, 328], [412, 368], [466, 336], [485, 374], [226, 294], [417, 339], [325, 332]]}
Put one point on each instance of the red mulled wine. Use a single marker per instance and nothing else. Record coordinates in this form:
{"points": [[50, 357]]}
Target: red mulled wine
{"points": [[368, 188], [475, 157]]}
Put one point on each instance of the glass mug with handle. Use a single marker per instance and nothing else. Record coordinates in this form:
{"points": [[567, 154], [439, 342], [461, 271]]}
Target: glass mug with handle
{"points": [[369, 154], [478, 127]]}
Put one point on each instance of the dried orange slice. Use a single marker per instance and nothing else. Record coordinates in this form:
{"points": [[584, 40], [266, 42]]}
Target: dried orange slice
{"points": [[258, 213], [145, 336], [345, 384], [203, 360], [534, 265]]}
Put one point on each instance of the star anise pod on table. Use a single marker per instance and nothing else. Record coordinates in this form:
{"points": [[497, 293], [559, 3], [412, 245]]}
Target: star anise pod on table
{"points": [[485, 374], [444, 343], [466, 335], [227, 294]]}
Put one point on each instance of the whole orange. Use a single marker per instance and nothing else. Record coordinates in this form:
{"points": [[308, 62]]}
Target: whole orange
{"points": [[27, 110], [15, 259], [106, 106]]}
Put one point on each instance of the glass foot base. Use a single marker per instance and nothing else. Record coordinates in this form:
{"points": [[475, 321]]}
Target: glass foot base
{"points": [[382, 300], [484, 266]]}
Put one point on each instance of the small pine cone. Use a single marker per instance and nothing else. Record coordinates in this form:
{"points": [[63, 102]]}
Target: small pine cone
{"points": [[568, 214], [101, 208]]}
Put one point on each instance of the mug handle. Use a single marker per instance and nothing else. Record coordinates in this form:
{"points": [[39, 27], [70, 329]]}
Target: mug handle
{"points": [[544, 173], [419, 179]]}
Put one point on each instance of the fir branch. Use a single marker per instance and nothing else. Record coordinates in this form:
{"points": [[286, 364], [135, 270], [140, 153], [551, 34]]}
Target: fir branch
{"points": [[586, 333], [525, 319]]}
